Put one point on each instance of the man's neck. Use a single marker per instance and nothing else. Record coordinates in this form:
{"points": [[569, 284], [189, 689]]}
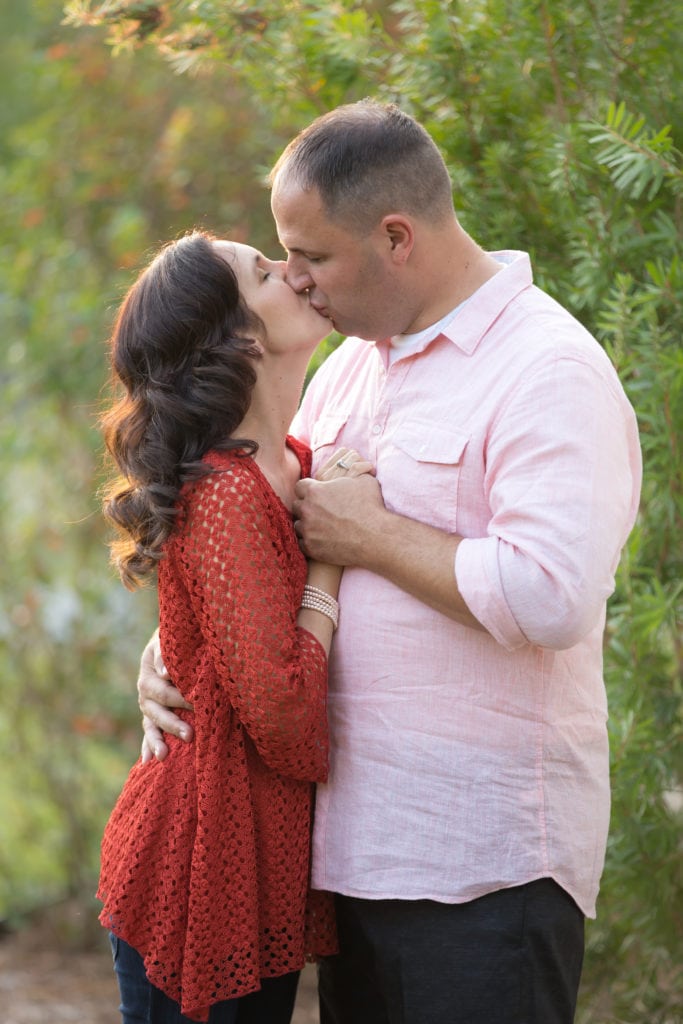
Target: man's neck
{"points": [[455, 269]]}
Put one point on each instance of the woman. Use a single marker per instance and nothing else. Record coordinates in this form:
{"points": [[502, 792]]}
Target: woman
{"points": [[204, 873]]}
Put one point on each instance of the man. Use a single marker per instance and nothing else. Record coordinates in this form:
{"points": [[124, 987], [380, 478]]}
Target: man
{"points": [[464, 823]]}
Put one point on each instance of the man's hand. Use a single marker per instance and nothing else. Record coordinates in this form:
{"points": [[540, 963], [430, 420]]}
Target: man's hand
{"points": [[344, 521], [156, 694], [336, 518]]}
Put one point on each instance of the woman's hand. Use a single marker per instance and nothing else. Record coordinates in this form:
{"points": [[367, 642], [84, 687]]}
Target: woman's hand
{"points": [[156, 697], [345, 462]]}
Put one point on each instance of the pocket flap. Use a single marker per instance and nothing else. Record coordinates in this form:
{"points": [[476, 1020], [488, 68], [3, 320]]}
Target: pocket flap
{"points": [[326, 430], [425, 442]]}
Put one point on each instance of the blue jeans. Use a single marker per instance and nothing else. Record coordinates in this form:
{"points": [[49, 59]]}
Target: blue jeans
{"points": [[143, 1003]]}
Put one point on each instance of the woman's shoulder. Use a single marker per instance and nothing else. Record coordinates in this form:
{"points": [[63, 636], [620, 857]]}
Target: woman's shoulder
{"points": [[302, 452], [227, 473], [235, 460]]}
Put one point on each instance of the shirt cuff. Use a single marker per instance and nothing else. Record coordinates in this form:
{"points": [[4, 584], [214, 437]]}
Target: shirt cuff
{"points": [[478, 579]]}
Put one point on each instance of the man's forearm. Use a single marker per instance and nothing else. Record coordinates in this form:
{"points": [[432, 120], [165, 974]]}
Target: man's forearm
{"points": [[418, 558], [345, 522]]}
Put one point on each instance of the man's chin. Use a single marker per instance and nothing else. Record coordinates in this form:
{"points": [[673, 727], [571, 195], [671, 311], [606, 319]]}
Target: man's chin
{"points": [[350, 330]]}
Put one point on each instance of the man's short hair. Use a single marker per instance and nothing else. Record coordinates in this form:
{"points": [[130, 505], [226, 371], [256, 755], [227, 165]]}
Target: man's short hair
{"points": [[368, 159]]}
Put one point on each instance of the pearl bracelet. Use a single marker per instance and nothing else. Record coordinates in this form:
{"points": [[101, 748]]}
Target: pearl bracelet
{"points": [[320, 601]]}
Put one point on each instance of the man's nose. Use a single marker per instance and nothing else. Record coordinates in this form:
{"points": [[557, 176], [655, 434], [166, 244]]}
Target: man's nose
{"points": [[298, 279]]}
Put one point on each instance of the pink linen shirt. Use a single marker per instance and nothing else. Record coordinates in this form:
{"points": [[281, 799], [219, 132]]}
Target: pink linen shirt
{"points": [[465, 762]]}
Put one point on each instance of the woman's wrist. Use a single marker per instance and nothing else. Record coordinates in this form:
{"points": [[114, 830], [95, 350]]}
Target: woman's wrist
{"points": [[318, 600], [319, 611], [325, 577]]}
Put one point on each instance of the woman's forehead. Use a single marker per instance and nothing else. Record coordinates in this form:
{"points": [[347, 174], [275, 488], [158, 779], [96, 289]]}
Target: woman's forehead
{"points": [[239, 255]]}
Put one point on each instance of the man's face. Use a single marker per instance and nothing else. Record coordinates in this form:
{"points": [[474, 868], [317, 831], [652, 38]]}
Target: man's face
{"points": [[348, 275]]}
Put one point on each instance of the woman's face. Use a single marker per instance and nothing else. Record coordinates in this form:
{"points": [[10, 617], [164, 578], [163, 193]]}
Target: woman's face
{"points": [[290, 322]]}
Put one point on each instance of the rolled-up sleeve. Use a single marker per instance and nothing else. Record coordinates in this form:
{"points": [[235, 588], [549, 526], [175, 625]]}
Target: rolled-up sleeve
{"points": [[563, 473]]}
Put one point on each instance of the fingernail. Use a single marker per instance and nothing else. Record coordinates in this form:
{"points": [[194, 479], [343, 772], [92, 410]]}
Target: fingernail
{"points": [[184, 734], [157, 750]]}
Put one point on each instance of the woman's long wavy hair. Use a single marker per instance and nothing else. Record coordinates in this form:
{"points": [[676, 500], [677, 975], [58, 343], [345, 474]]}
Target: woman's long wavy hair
{"points": [[183, 355]]}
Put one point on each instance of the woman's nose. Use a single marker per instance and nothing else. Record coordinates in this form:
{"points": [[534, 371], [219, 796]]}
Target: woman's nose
{"points": [[278, 267]]}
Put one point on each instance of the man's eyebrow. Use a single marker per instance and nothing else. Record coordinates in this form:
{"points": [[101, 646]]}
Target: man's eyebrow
{"points": [[310, 253]]}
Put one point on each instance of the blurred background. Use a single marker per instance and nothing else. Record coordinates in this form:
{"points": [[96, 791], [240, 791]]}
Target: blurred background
{"points": [[124, 123]]}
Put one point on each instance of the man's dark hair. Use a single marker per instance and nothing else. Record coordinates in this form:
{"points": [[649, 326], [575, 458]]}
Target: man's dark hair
{"points": [[368, 159]]}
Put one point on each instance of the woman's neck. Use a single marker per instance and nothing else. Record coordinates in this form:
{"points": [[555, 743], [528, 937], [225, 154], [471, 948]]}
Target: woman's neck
{"points": [[274, 402]]}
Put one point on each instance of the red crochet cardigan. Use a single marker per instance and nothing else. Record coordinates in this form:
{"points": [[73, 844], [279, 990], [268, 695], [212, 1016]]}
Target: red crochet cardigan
{"points": [[205, 859]]}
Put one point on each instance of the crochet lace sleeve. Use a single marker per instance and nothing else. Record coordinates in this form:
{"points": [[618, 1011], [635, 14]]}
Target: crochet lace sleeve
{"points": [[242, 578]]}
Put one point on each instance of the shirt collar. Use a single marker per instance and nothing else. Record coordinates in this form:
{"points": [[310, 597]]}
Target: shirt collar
{"points": [[474, 317], [484, 307]]}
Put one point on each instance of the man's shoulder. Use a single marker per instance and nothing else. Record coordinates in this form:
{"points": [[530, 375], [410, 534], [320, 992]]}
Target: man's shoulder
{"points": [[343, 361], [333, 380], [351, 348]]}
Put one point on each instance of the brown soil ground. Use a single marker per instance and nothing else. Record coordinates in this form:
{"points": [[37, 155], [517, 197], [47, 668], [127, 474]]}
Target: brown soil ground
{"points": [[41, 983]]}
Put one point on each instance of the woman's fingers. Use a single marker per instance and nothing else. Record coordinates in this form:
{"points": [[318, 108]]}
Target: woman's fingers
{"points": [[343, 462]]}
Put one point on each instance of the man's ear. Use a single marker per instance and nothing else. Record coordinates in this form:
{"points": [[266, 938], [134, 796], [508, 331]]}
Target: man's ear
{"points": [[400, 232]]}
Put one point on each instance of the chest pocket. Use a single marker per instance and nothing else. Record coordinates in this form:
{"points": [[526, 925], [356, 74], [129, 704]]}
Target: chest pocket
{"points": [[420, 473], [326, 437]]}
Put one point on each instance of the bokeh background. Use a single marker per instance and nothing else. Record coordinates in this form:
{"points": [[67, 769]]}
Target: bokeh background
{"points": [[123, 124]]}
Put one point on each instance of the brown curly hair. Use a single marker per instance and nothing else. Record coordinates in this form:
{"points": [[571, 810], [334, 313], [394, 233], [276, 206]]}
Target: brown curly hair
{"points": [[183, 355]]}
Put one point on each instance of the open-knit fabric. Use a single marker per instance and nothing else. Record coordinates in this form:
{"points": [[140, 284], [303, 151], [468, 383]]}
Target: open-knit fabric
{"points": [[205, 859]]}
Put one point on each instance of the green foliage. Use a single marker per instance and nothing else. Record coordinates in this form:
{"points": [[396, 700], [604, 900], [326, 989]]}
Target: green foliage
{"points": [[640, 321], [558, 124], [638, 160]]}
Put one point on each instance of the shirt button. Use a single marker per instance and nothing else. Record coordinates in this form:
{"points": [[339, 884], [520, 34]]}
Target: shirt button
{"points": [[376, 429]]}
